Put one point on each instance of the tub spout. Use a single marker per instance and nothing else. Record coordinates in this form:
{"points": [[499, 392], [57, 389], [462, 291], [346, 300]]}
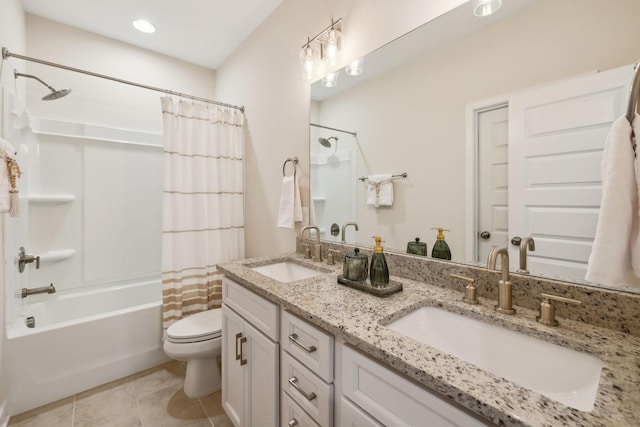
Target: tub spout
{"points": [[25, 292]]}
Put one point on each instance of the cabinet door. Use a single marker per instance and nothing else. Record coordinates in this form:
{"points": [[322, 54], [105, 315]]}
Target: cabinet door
{"points": [[232, 372], [262, 370], [352, 416]]}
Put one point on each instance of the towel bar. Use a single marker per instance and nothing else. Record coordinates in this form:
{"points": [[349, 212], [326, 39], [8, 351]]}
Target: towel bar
{"points": [[402, 175], [293, 160]]}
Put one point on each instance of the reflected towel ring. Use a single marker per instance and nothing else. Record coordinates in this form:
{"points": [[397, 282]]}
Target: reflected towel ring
{"points": [[293, 160]]}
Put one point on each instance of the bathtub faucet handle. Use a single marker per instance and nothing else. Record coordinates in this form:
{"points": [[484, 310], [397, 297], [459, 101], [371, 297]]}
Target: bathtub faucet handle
{"points": [[24, 259]]}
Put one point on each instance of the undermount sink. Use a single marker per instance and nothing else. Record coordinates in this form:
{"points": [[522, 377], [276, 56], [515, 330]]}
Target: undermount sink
{"points": [[287, 271], [564, 375]]}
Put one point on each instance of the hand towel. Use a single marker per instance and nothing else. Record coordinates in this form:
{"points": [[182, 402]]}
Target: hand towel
{"points": [[379, 190], [9, 172], [290, 210], [610, 261], [635, 229]]}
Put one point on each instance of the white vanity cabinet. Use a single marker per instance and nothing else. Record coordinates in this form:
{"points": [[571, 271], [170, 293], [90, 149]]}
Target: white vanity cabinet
{"points": [[306, 373], [390, 399], [250, 357]]}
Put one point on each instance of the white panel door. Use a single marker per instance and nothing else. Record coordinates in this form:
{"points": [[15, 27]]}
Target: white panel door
{"points": [[556, 138], [493, 185], [233, 374], [263, 366]]}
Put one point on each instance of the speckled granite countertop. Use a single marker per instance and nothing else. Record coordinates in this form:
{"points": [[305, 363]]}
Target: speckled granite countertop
{"points": [[358, 319]]}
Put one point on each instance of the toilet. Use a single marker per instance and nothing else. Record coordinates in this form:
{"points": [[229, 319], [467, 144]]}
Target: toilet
{"points": [[197, 339]]}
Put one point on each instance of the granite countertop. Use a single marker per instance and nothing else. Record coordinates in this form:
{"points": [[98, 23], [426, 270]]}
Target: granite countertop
{"points": [[358, 319]]}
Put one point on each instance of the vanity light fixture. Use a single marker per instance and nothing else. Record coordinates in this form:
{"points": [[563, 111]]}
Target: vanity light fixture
{"points": [[485, 7], [354, 68], [330, 80], [144, 26], [330, 43]]}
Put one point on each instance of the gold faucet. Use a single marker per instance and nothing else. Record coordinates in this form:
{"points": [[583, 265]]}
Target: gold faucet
{"points": [[504, 285], [345, 226], [526, 243], [317, 249]]}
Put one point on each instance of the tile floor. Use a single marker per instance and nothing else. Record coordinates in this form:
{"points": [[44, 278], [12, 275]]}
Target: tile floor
{"points": [[152, 398]]}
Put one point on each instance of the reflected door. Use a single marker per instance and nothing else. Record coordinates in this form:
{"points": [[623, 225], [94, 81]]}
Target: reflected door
{"points": [[493, 186], [556, 138]]}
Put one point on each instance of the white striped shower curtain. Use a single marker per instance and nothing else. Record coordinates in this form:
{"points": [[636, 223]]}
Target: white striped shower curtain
{"points": [[203, 204]]}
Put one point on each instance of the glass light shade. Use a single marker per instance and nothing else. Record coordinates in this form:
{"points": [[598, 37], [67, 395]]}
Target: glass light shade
{"points": [[354, 68], [330, 80], [485, 7], [308, 62], [331, 47]]}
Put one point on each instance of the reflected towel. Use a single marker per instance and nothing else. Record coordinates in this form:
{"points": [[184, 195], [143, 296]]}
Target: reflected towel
{"points": [[616, 237], [9, 172], [379, 190], [290, 210]]}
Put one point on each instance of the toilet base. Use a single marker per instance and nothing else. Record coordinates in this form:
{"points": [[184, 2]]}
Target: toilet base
{"points": [[202, 377]]}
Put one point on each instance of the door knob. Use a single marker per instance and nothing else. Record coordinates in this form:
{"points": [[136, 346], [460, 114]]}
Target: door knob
{"points": [[485, 235], [516, 241]]}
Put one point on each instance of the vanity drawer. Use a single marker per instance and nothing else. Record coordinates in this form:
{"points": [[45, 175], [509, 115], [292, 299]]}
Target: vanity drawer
{"points": [[394, 400], [293, 415], [309, 344], [352, 416], [263, 314], [307, 390]]}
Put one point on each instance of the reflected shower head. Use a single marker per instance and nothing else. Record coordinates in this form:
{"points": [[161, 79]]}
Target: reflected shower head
{"points": [[326, 142], [55, 94]]}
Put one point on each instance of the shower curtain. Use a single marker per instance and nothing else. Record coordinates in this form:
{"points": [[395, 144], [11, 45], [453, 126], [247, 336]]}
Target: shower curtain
{"points": [[203, 204]]}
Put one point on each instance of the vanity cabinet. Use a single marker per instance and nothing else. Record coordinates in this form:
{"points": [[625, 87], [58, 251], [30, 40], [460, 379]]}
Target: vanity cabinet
{"points": [[390, 399], [306, 373], [250, 357]]}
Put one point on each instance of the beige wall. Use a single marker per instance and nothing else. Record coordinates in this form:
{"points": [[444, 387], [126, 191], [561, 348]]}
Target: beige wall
{"points": [[413, 118], [264, 75]]}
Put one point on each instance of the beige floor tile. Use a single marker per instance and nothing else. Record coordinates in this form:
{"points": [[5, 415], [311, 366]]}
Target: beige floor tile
{"points": [[122, 387], [212, 404], [171, 407], [112, 409], [158, 378], [221, 420], [56, 414]]}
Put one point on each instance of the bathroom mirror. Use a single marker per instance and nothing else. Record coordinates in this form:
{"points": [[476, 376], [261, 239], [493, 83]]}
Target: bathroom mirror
{"points": [[411, 111]]}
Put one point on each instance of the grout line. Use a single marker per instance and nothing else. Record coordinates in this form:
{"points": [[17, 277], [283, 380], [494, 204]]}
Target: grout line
{"points": [[73, 410]]}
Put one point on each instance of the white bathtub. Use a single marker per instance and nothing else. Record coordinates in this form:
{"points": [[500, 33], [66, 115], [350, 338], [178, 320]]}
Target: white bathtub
{"points": [[81, 340]]}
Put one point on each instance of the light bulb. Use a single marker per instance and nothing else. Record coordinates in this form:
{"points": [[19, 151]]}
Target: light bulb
{"points": [[332, 47], [485, 7], [308, 61]]}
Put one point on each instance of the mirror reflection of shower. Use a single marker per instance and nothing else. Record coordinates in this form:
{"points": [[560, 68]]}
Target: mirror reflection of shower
{"points": [[326, 142], [55, 94]]}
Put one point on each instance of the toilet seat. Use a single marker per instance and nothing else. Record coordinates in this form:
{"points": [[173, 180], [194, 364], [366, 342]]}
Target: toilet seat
{"points": [[203, 326]]}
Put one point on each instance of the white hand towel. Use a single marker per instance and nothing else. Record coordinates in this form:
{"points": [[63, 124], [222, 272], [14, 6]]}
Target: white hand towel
{"points": [[379, 190], [635, 229], [290, 210], [610, 260], [9, 172]]}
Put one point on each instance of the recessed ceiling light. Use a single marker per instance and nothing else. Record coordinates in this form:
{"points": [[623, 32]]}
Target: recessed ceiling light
{"points": [[144, 26]]}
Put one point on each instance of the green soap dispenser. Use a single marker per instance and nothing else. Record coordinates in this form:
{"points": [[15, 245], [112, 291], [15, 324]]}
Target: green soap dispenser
{"points": [[440, 248], [378, 271]]}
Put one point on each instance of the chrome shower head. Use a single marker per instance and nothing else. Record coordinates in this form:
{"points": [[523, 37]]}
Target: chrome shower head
{"points": [[55, 94], [326, 142]]}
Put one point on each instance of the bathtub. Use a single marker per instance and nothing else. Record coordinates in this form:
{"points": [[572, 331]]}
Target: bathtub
{"points": [[81, 340]]}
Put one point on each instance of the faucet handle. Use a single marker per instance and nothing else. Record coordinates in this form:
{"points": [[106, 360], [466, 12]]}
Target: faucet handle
{"points": [[307, 252], [470, 291], [331, 259], [547, 314]]}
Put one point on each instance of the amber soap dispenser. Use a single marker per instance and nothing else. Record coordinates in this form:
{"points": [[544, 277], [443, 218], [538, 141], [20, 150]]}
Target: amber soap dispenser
{"points": [[379, 271]]}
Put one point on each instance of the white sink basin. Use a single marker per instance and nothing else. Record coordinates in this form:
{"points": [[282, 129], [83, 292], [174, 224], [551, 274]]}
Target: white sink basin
{"points": [[287, 271], [561, 374]]}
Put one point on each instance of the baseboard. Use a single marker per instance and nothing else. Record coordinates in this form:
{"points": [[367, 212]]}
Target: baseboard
{"points": [[4, 415]]}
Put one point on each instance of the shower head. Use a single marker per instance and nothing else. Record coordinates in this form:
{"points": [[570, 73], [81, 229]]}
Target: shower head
{"points": [[55, 94], [326, 142]]}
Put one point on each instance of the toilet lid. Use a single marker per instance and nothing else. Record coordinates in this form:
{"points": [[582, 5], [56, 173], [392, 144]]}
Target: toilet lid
{"points": [[197, 327]]}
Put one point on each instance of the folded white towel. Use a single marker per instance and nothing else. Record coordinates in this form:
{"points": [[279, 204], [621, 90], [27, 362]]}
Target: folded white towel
{"points": [[379, 190], [9, 172], [610, 261], [290, 210]]}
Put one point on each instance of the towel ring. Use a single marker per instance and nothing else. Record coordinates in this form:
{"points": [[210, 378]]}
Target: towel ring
{"points": [[293, 160]]}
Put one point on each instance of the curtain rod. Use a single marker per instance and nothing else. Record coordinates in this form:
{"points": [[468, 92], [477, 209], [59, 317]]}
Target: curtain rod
{"points": [[6, 54], [337, 130]]}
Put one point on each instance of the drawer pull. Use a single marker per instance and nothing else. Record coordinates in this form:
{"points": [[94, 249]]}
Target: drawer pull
{"points": [[294, 338], [309, 396], [243, 361], [293, 423]]}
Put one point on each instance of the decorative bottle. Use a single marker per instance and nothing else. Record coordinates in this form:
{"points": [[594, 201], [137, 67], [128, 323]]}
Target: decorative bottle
{"points": [[379, 271], [440, 247]]}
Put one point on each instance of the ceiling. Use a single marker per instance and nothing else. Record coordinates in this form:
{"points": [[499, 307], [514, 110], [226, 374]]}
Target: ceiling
{"points": [[203, 32]]}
